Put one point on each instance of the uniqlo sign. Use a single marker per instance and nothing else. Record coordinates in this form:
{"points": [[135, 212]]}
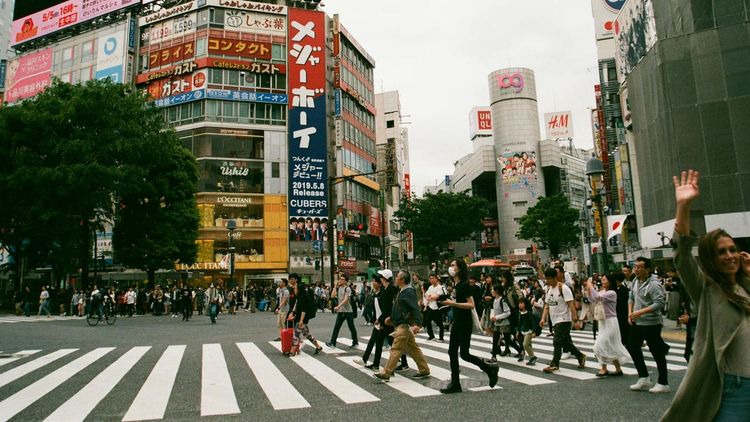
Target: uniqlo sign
{"points": [[306, 68]]}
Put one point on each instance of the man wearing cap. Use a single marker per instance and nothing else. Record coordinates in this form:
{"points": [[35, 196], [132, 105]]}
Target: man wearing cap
{"points": [[406, 318], [387, 296]]}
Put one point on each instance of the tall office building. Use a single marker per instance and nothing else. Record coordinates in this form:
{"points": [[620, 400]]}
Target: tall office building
{"points": [[515, 126]]}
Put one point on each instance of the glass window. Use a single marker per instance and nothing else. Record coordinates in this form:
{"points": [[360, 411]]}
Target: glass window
{"points": [[67, 59], [278, 52], [200, 46], [212, 107], [216, 17], [232, 77], [85, 74], [87, 51], [275, 171], [216, 76]]}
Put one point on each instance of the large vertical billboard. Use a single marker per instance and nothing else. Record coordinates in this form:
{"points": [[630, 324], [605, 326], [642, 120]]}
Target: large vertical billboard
{"points": [[28, 75], [60, 16], [110, 56], [308, 164], [605, 12], [635, 34]]}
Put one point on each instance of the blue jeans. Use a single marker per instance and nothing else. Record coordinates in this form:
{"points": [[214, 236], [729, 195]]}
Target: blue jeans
{"points": [[340, 317], [735, 399], [213, 310]]}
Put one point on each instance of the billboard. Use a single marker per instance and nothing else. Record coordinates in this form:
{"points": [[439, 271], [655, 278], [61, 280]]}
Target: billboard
{"points": [[635, 34], [605, 12], [110, 57], [170, 28], [241, 48], [61, 16], [480, 122], [177, 85], [558, 125], [258, 23], [173, 54], [490, 234], [28, 75], [518, 170], [308, 164]]}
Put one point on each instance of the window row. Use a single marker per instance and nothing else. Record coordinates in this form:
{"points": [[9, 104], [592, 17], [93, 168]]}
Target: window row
{"points": [[75, 54], [355, 83], [235, 176], [236, 78], [356, 59], [357, 163], [201, 49], [226, 111], [358, 111], [360, 193], [229, 146], [358, 138], [77, 76]]}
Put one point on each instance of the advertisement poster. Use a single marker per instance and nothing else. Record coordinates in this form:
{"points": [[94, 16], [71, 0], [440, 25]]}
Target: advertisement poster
{"points": [[61, 16], [635, 33], [490, 233], [605, 12], [258, 23], [480, 122], [28, 75], [558, 125], [518, 170], [308, 166], [110, 57]]}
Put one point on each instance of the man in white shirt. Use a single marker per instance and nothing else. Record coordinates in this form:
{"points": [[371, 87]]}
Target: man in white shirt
{"points": [[559, 306], [130, 301], [432, 308]]}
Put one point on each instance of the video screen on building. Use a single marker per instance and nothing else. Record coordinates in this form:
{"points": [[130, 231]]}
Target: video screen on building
{"points": [[24, 8]]}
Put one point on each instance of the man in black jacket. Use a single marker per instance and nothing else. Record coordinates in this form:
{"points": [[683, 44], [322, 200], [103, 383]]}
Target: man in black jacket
{"points": [[406, 318]]}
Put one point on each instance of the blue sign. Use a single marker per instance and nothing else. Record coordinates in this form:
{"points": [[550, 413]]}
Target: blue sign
{"points": [[614, 5], [185, 97], [308, 165], [255, 97], [131, 34], [317, 246], [337, 102], [3, 64]]}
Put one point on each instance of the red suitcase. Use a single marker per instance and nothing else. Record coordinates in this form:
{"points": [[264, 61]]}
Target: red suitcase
{"points": [[286, 340]]}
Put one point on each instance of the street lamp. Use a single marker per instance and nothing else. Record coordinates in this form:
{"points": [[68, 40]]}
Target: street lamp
{"points": [[595, 170], [231, 227]]}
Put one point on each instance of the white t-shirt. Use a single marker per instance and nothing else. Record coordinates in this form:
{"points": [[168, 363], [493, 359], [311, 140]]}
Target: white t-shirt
{"points": [[434, 290], [559, 310]]}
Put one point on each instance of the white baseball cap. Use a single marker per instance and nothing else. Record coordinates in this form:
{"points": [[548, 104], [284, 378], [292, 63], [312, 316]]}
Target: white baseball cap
{"points": [[388, 274]]}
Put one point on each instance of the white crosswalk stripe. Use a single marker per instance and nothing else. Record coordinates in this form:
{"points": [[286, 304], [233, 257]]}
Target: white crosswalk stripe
{"points": [[217, 392], [17, 356], [153, 397], [22, 389], [12, 319]]}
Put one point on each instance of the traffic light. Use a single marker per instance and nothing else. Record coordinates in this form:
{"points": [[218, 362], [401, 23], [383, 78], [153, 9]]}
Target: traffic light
{"points": [[362, 227]]}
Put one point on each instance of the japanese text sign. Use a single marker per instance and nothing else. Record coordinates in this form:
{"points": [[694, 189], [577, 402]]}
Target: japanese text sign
{"points": [[241, 48], [308, 165], [63, 15], [176, 53], [28, 75]]}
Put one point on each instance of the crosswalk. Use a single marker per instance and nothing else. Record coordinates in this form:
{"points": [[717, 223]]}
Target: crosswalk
{"points": [[13, 319], [27, 376]]}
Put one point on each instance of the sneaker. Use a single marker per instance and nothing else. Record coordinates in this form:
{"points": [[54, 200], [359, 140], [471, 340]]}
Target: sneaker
{"points": [[359, 361], [381, 377], [642, 384], [659, 388], [491, 360], [492, 374], [451, 388], [331, 345], [582, 361], [402, 367], [532, 361], [372, 367], [566, 356], [550, 369], [354, 346], [419, 376]]}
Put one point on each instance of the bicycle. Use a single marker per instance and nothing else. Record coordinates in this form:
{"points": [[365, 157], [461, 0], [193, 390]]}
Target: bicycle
{"points": [[109, 314]]}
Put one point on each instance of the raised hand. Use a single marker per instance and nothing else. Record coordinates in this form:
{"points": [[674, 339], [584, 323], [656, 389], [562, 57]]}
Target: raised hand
{"points": [[745, 262], [686, 187]]}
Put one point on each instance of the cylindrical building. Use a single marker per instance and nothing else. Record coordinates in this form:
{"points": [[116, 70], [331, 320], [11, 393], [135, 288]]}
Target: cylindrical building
{"points": [[515, 120]]}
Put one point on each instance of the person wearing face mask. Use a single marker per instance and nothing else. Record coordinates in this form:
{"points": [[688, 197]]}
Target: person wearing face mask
{"points": [[462, 306], [717, 383]]}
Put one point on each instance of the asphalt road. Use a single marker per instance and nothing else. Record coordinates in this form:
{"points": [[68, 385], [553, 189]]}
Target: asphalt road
{"points": [[31, 389]]}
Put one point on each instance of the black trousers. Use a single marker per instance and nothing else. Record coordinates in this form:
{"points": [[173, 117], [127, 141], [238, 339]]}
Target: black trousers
{"points": [[434, 315], [461, 340], [656, 345], [509, 341], [562, 341], [187, 309], [380, 337]]}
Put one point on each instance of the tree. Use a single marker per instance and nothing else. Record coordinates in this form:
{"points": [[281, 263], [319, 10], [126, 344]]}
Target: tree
{"points": [[67, 155], [551, 223], [440, 218]]}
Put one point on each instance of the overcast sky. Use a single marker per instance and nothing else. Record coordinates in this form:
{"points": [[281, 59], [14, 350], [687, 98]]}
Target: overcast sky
{"points": [[438, 54]]}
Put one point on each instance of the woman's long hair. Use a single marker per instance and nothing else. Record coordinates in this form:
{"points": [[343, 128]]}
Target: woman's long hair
{"points": [[708, 255], [463, 270]]}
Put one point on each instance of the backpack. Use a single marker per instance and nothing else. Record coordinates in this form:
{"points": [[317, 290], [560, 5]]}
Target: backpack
{"points": [[311, 304]]}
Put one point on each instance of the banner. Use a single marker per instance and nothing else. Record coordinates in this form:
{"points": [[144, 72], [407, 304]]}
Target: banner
{"points": [[28, 75], [110, 57], [615, 224], [61, 16], [308, 164]]}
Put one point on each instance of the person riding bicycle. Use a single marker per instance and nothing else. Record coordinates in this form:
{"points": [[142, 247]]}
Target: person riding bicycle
{"points": [[97, 301]]}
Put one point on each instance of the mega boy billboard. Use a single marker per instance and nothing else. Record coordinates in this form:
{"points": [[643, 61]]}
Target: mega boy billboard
{"points": [[308, 166]]}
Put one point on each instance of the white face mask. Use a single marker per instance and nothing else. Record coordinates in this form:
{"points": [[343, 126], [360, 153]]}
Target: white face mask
{"points": [[452, 271]]}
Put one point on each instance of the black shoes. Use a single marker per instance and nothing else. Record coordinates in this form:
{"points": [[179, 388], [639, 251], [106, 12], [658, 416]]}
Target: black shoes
{"points": [[492, 374], [402, 367], [451, 388]]}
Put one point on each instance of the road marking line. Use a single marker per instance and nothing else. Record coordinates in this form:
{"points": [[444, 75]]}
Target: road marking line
{"points": [[28, 367], [85, 400], [398, 382], [217, 393], [344, 389], [279, 391], [588, 335], [153, 397], [19, 401], [18, 355]]}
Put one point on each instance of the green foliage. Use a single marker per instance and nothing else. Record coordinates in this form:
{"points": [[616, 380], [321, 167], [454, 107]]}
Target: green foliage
{"points": [[440, 218], [552, 224], [67, 158]]}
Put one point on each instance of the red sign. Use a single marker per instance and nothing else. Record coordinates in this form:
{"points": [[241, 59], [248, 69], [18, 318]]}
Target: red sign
{"points": [[171, 55], [374, 225], [407, 185], [177, 85], [348, 264], [484, 119], [241, 48], [243, 65]]}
